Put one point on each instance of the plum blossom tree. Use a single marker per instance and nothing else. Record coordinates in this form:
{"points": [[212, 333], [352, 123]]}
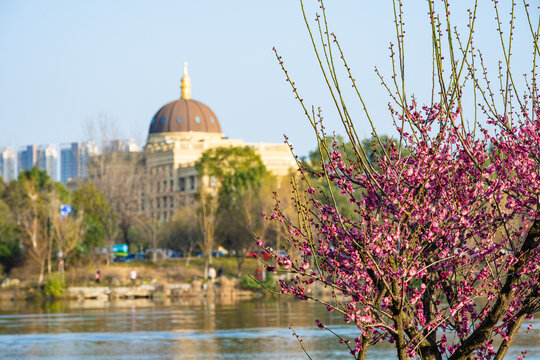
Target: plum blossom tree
{"points": [[441, 255]]}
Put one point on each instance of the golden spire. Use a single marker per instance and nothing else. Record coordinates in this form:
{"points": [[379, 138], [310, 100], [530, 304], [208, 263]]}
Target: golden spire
{"points": [[185, 85]]}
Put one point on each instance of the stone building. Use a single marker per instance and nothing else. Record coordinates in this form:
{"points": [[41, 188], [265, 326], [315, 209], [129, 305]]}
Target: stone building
{"points": [[179, 133]]}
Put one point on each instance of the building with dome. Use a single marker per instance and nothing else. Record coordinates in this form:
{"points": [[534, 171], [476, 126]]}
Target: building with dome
{"points": [[179, 133]]}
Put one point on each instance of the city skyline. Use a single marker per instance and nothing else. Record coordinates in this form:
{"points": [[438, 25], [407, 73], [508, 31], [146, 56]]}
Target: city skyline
{"points": [[63, 162], [71, 65]]}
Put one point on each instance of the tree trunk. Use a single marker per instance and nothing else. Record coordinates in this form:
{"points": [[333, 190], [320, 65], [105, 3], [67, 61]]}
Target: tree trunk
{"points": [[400, 337], [41, 271], [240, 257], [49, 250], [428, 349], [239, 267], [366, 337], [109, 252], [188, 252], [60, 256], [514, 328], [482, 332], [49, 258], [154, 248], [206, 263]]}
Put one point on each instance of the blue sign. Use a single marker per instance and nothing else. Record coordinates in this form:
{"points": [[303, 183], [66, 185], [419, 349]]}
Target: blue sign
{"points": [[65, 210]]}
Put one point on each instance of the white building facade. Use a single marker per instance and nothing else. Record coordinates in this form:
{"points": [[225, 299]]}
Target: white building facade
{"points": [[7, 164]]}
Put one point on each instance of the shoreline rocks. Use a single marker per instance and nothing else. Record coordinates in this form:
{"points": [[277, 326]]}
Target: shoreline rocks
{"points": [[222, 289]]}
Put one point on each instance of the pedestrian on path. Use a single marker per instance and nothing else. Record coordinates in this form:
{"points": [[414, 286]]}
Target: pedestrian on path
{"points": [[133, 276]]}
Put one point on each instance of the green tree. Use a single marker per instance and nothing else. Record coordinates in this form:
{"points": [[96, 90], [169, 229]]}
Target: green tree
{"points": [[240, 218], [225, 173], [97, 213], [68, 229], [28, 198], [10, 249]]}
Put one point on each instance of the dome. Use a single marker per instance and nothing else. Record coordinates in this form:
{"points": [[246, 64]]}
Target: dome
{"points": [[185, 115]]}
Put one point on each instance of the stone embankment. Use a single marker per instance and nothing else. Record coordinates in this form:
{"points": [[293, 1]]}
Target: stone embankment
{"points": [[221, 290]]}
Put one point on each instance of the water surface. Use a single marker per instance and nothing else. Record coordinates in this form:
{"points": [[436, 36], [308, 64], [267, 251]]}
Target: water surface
{"points": [[145, 330]]}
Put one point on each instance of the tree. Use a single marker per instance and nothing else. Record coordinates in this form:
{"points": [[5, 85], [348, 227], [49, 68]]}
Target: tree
{"points": [[117, 175], [240, 219], [182, 232], [371, 149], [441, 255], [224, 173], [151, 217], [97, 212], [28, 198], [68, 227], [10, 250]]}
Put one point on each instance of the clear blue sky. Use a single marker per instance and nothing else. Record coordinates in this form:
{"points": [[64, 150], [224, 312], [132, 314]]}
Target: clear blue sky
{"points": [[66, 63]]}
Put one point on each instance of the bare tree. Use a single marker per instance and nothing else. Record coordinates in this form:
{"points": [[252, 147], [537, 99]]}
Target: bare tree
{"points": [[207, 215], [28, 198], [183, 232], [68, 229], [117, 176]]}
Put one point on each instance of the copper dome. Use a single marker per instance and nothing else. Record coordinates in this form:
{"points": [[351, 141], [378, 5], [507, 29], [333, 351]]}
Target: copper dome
{"points": [[185, 115]]}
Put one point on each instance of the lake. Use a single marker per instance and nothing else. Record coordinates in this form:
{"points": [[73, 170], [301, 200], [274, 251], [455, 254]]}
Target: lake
{"points": [[141, 329]]}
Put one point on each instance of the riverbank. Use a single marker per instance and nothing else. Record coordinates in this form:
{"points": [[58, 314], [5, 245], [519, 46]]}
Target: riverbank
{"points": [[222, 290], [164, 280]]}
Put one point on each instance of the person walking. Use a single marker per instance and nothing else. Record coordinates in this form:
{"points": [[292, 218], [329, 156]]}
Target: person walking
{"points": [[212, 274], [98, 276], [133, 276]]}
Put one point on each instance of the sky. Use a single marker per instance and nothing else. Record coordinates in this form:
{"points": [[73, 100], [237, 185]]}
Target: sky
{"points": [[67, 66]]}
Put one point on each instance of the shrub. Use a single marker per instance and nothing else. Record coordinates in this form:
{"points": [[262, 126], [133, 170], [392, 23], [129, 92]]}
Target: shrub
{"points": [[55, 286], [248, 283]]}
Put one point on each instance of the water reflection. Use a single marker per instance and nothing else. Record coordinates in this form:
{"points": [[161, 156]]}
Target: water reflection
{"points": [[141, 329]]}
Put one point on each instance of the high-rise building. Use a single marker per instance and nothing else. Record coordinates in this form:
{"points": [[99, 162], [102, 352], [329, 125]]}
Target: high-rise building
{"points": [[45, 157], [74, 160], [26, 158], [128, 145], [7, 164]]}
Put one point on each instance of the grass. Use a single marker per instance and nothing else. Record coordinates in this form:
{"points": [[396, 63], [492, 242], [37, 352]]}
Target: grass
{"points": [[172, 270], [228, 265]]}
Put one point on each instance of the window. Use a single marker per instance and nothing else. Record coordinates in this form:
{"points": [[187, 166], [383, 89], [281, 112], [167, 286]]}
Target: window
{"points": [[212, 120], [192, 182], [179, 120], [171, 201], [197, 119], [171, 186], [182, 184], [164, 185], [153, 120], [163, 120]]}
